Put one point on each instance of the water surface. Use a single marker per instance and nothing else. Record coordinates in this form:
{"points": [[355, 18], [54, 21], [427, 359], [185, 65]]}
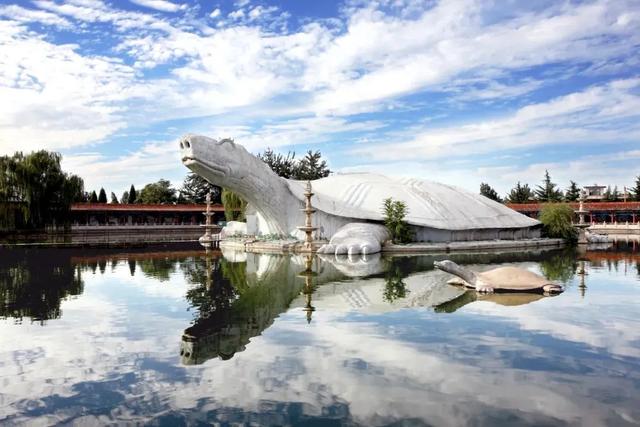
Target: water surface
{"points": [[170, 338]]}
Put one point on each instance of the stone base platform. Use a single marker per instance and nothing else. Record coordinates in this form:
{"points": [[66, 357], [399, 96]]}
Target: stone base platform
{"points": [[271, 246], [293, 246]]}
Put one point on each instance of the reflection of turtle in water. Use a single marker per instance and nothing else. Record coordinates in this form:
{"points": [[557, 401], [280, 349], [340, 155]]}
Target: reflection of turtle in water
{"points": [[508, 299], [499, 279]]}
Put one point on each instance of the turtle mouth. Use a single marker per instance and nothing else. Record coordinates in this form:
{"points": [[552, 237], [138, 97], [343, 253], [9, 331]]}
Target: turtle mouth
{"points": [[214, 169]]}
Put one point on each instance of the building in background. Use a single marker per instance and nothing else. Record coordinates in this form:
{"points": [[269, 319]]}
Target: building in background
{"points": [[595, 192]]}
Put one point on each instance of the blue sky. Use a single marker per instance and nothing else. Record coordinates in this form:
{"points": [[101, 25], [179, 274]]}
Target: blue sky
{"points": [[459, 91]]}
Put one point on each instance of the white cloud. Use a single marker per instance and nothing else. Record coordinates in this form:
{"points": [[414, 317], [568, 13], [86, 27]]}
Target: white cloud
{"points": [[287, 133], [59, 98], [597, 114], [256, 67], [152, 161], [161, 5], [91, 11], [236, 14], [215, 13], [20, 14], [380, 57]]}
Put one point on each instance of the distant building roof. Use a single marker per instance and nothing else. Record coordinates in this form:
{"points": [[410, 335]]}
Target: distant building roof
{"points": [[112, 207]]}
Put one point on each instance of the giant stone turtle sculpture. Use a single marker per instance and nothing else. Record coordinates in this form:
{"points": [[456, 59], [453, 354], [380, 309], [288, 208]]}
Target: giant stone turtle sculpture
{"points": [[501, 278], [349, 206]]}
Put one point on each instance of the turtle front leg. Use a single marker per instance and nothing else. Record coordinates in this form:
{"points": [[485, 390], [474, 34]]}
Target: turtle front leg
{"points": [[357, 238]]}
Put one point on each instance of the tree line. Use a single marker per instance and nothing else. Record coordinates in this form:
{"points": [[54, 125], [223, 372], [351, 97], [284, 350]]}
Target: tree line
{"points": [[35, 192], [194, 189], [549, 192]]}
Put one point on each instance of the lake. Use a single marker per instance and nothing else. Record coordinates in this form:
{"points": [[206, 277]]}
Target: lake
{"points": [[180, 337]]}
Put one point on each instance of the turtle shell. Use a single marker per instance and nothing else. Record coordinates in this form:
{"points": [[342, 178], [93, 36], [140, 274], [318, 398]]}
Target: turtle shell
{"points": [[513, 278], [430, 204]]}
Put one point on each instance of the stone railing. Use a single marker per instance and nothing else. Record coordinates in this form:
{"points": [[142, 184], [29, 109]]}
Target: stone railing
{"points": [[615, 228]]}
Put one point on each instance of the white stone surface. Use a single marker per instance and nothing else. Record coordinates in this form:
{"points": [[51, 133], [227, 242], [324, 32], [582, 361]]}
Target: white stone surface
{"points": [[437, 212], [233, 228], [357, 238], [430, 204]]}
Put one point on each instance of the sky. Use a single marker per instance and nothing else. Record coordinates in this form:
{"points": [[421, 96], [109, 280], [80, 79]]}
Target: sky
{"points": [[457, 91]]}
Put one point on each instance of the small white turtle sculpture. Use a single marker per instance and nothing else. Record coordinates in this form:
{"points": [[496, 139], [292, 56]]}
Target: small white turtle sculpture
{"points": [[501, 278], [348, 207]]}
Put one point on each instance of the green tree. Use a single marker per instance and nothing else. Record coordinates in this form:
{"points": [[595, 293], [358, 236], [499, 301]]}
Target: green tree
{"points": [[573, 192], [490, 193], [125, 198], [394, 286], [133, 196], [557, 221], [520, 194], [311, 167], [234, 206], [394, 212], [284, 166], [102, 197], [36, 191], [159, 192], [114, 199], [93, 198], [635, 191], [615, 194], [611, 195], [195, 188], [547, 192]]}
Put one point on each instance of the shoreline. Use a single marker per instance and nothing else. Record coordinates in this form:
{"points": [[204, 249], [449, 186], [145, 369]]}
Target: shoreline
{"points": [[295, 247]]}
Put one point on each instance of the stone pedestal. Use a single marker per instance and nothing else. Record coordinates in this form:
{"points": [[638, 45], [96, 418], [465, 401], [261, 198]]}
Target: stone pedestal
{"points": [[308, 227]]}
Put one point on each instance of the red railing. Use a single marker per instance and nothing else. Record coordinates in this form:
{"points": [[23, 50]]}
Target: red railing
{"points": [[590, 206]]}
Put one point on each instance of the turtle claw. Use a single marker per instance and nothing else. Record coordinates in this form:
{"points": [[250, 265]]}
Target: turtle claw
{"points": [[356, 238], [484, 289], [552, 289]]}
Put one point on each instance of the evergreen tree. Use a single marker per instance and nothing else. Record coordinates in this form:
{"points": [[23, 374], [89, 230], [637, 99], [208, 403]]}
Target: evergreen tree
{"points": [[573, 192], [114, 199], [635, 191], [606, 197], [125, 198], [615, 194], [488, 192], [195, 188], [284, 166], [520, 194], [133, 196], [310, 167], [395, 212], [159, 192], [94, 197], [547, 192], [102, 197]]}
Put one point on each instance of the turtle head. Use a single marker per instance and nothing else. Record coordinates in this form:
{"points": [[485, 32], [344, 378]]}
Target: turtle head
{"points": [[445, 265], [214, 159]]}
